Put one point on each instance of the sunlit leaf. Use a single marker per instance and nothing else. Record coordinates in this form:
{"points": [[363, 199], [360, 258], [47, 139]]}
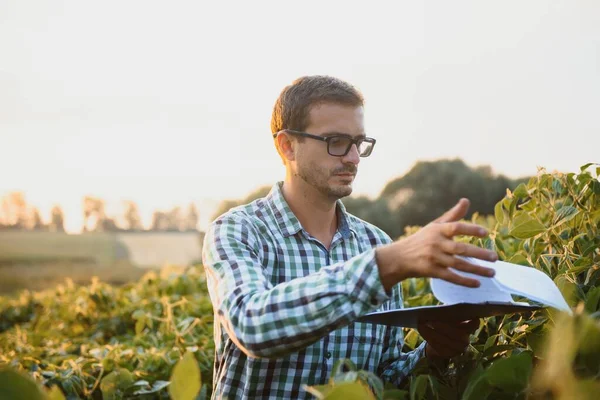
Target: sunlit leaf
{"points": [[585, 166], [521, 191], [499, 212], [55, 394], [350, 391], [185, 380], [525, 227]]}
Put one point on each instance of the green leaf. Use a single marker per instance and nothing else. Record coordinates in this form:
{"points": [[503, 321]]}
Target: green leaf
{"points": [[157, 386], [395, 394], [411, 338], [565, 214], [568, 289], [185, 379], [518, 258], [56, 394], [510, 374], [588, 335], [340, 365], [422, 387], [373, 381], [114, 384], [557, 187], [595, 187], [497, 349], [140, 324], [350, 376], [17, 386], [525, 227], [350, 391], [537, 339], [521, 191], [499, 212], [478, 387], [592, 301], [491, 341], [499, 245], [585, 166]]}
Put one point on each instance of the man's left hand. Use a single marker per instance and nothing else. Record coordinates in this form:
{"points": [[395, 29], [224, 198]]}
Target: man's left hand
{"points": [[446, 339]]}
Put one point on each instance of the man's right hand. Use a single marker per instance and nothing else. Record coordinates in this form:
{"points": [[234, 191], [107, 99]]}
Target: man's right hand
{"points": [[429, 252]]}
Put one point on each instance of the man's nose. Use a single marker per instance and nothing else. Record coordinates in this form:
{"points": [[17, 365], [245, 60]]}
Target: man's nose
{"points": [[353, 156]]}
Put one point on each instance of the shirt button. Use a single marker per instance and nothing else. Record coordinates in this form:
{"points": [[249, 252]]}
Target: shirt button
{"points": [[328, 355]]}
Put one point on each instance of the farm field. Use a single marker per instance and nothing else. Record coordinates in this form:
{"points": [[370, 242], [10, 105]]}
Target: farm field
{"points": [[131, 341], [40, 260]]}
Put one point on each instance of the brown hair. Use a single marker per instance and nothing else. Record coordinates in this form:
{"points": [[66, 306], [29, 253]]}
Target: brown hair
{"points": [[293, 105]]}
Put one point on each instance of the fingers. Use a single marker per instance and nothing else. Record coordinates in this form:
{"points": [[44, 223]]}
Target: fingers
{"points": [[460, 264], [452, 277], [455, 213], [467, 250], [470, 326], [461, 228], [445, 342]]}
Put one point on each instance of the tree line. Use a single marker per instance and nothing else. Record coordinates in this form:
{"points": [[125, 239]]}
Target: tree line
{"points": [[421, 195], [17, 214], [416, 198]]}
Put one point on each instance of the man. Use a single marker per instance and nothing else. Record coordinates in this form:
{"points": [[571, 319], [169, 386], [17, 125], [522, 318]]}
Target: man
{"points": [[290, 273]]}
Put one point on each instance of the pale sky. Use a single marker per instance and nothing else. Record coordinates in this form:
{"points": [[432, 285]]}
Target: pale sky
{"points": [[170, 102]]}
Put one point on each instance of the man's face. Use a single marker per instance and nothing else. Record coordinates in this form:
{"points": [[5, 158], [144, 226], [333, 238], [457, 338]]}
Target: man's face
{"points": [[330, 175]]}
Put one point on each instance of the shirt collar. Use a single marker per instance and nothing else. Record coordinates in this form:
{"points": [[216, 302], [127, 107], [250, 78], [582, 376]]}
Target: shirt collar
{"points": [[289, 224]]}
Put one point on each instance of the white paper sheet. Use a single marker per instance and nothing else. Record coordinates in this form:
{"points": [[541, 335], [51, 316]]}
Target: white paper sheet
{"points": [[449, 293], [493, 297], [509, 279], [526, 281]]}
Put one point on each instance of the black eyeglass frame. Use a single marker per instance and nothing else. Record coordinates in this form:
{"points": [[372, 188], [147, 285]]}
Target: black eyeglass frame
{"points": [[358, 141]]}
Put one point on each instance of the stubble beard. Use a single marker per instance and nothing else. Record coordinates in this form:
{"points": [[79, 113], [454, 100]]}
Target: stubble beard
{"points": [[318, 178]]}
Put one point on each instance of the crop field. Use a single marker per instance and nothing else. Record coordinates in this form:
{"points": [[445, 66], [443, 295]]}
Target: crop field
{"points": [[41, 260], [153, 338]]}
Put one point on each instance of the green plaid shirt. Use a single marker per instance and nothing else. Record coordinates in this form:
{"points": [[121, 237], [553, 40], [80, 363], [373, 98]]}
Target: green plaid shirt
{"points": [[285, 306]]}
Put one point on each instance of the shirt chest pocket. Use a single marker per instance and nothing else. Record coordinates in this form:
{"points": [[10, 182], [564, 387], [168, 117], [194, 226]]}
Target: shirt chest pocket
{"points": [[363, 344]]}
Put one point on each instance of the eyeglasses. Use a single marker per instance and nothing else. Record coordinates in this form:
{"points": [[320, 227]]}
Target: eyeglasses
{"points": [[338, 145]]}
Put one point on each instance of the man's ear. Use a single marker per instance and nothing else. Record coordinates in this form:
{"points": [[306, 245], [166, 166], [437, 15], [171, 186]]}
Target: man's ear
{"points": [[285, 147]]}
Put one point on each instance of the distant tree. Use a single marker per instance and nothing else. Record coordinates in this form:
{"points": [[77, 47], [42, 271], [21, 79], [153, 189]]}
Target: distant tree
{"points": [[57, 219], [15, 212], [191, 219], [107, 225], [93, 214], [376, 211], [35, 221], [160, 221], [176, 222], [133, 222], [432, 187]]}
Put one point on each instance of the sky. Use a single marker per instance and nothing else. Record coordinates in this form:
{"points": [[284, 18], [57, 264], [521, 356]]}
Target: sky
{"points": [[167, 103]]}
